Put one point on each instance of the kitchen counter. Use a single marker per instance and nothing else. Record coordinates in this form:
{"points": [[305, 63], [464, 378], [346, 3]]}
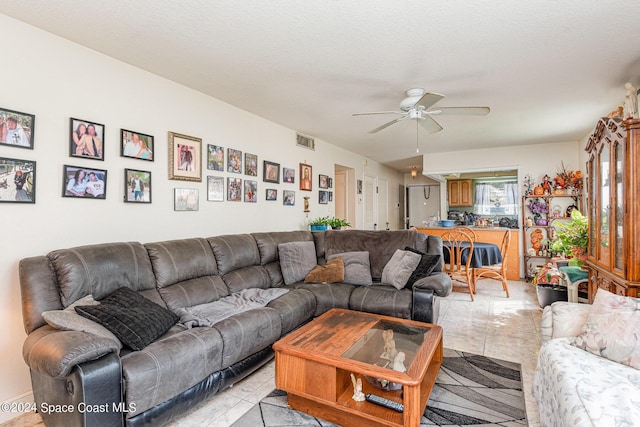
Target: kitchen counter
{"points": [[491, 235]]}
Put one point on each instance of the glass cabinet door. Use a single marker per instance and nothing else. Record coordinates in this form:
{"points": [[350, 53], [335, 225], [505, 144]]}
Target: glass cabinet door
{"points": [[618, 182], [604, 251], [592, 195]]}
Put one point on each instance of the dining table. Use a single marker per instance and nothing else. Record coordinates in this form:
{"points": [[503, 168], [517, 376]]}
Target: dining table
{"points": [[483, 254]]}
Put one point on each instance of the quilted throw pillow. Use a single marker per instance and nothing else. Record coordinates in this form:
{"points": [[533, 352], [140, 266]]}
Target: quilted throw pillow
{"points": [[611, 330], [297, 259], [134, 319], [357, 269], [331, 272], [426, 266], [399, 268]]}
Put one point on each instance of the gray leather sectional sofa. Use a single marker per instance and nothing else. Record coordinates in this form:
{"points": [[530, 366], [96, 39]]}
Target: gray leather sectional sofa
{"points": [[100, 383]]}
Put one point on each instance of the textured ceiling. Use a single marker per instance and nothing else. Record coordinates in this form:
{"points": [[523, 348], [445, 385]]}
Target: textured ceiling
{"points": [[547, 69]]}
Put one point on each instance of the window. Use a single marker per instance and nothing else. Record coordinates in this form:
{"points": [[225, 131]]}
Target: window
{"points": [[496, 198]]}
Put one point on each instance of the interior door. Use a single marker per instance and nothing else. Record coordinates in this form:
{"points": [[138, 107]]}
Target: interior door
{"points": [[369, 203], [383, 204]]}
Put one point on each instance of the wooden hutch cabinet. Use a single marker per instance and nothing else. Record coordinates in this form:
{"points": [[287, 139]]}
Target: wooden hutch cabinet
{"points": [[613, 192]]}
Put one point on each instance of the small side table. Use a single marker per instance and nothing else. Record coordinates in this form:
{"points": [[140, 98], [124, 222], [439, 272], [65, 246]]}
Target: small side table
{"points": [[573, 277]]}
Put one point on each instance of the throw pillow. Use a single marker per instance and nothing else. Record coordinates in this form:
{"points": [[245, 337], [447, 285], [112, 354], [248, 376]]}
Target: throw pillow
{"points": [[331, 272], [357, 269], [426, 266], [399, 268], [134, 319], [611, 330], [69, 320], [297, 259]]}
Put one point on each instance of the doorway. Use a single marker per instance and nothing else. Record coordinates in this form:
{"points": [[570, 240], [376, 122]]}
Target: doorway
{"points": [[423, 202], [344, 194]]}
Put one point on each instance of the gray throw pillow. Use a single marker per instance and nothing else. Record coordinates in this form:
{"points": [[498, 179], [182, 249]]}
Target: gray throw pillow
{"points": [[297, 259], [399, 268], [357, 269], [69, 320]]}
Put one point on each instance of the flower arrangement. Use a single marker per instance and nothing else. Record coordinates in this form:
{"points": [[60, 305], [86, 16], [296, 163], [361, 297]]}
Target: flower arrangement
{"points": [[568, 179], [538, 207], [547, 274]]}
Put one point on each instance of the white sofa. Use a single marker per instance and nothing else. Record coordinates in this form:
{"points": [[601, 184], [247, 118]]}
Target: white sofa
{"points": [[576, 388]]}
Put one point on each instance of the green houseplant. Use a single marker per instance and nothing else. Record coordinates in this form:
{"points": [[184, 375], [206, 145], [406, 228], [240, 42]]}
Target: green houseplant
{"points": [[337, 223], [320, 224], [572, 238]]}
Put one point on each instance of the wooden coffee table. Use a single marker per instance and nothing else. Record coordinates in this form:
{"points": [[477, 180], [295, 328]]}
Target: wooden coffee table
{"points": [[314, 363]]}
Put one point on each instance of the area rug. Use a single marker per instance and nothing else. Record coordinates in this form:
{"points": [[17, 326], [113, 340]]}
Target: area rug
{"points": [[470, 390]]}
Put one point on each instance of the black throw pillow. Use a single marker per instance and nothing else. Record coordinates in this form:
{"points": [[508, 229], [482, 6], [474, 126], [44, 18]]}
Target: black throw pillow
{"points": [[134, 319], [425, 266]]}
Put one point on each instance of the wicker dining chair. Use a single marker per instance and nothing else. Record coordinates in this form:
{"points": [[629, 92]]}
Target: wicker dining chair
{"points": [[458, 243], [497, 271]]}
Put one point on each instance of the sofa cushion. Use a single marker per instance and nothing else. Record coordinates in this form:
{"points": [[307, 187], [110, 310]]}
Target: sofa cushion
{"points": [[357, 270], [295, 308], [69, 320], [297, 259], [268, 243], [179, 260], [399, 268], [426, 266], [382, 299], [135, 320], [234, 251], [611, 329], [246, 278], [331, 272], [328, 295]]}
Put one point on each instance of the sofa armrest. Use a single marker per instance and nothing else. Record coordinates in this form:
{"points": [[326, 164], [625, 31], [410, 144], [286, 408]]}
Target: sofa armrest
{"points": [[54, 353], [563, 319], [439, 283]]}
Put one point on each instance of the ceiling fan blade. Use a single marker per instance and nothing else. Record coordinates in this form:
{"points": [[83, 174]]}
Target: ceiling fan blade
{"points": [[386, 125], [469, 111], [378, 112], [430, 125], [427, 100]]}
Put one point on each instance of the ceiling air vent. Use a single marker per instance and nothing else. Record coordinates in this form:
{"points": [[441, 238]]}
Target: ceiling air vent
{"points": [[305, 142]]}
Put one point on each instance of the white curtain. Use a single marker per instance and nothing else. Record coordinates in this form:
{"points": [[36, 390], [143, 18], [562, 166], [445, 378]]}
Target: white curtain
{"points": [[511, 198], [483, 203]]}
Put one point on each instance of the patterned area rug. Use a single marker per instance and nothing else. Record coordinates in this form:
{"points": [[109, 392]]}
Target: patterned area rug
{"points": [[471, 390]]}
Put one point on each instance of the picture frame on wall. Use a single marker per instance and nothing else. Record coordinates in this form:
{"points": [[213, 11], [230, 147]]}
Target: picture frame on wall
{"points": [[185, 199], [17, 129], [86, 139], [234, 160], [288, 198], [234, 189], [17, 180], [359, 186], [330, 182], [185, 157], [323, 181], [271, 172], [215, 188], [289, 175], [85, 183], [215, 158], [250, 191], [137, 186], [136, 145], [306, 172], [272, 194], [330, 196], [323, 197], [250, 164]]}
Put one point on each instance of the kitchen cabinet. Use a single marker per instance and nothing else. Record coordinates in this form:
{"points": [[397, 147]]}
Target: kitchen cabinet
{"points": [[460, 192]]}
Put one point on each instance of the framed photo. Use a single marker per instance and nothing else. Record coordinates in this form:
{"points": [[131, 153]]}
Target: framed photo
{"points": [[234, 160], [16, 128], [288, 175], [17, 181], [359, 186], [185, 157], [234, 189], [136, 145], [137, 186], [250, 164], [323, 181], [272, 194], [86, 183], [305, 177], [331, 196], [86, 139], [323, 197], [330, 182], [250, 191], [185, 199], [215, 188], [288, 198], [215, 158], [271, 172]]}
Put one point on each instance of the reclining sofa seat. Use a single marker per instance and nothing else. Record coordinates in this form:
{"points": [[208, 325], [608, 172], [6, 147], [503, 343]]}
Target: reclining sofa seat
{"points": [[186, 366]]}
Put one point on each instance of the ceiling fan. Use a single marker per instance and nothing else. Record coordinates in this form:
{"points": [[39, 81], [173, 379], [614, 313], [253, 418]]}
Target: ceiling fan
{"points": [[417, 106]]}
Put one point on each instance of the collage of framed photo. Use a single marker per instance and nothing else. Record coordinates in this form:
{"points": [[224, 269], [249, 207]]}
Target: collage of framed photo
{"points": [[136, 145], [86, 139], [306, 183], [137, 186], [289, 175], [250, 164], [17, 129], [288, 198], [17, 180], [82, 182], [234, 160], [185, 157], [215, 188], [215, 158], [271, 172], [234, 189], [185, 199], [272, 194], [250, 191]]}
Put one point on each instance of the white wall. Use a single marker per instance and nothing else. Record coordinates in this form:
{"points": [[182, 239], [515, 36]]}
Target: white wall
{"points": [[55, 80]]}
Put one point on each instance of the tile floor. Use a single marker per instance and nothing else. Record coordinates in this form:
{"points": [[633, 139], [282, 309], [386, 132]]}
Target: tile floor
{"points": [[493, 325]]}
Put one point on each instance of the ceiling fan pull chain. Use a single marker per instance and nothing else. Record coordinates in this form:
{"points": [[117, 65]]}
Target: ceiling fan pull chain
{"points": [[417, 135]]}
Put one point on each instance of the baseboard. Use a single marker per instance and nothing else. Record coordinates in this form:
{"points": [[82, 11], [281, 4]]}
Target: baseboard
{"points": [[16, 406]]}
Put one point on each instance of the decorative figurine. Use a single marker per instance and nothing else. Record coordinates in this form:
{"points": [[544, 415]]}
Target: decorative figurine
{"points": [[398, 362], [527, 185], [631, 102], [389, 345], [546, 184], [358, 395]]}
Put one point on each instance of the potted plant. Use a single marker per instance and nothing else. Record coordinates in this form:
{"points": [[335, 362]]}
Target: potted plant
{"points": [[548, 288], [572, 238], [338, 224], [320, 224]]}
